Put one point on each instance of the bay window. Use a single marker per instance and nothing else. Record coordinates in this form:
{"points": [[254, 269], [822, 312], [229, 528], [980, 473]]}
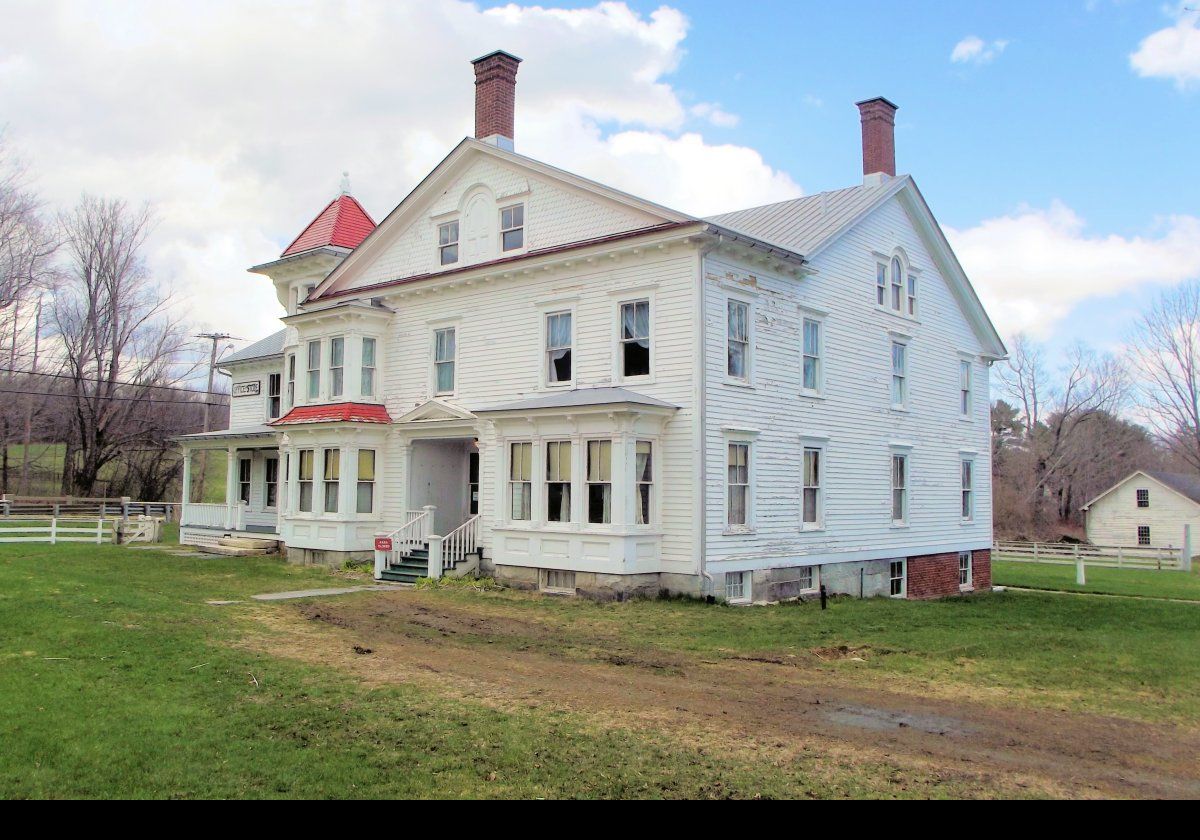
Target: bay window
{"points": [[558, 481], [291, 380], [520, 477], [599, 482], [367, 379], [337, 359], [305, 480], [314, 370], [332, 479], [643, 481], [366, 481]]}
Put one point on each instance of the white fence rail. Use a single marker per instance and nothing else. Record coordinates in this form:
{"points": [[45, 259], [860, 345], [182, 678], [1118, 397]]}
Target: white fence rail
{"points": [[58, 531], [1109, 556], [210, 515], [12, 506]]}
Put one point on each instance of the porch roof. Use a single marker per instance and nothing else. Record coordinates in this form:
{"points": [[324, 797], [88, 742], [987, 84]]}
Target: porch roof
{"points": [[580, 398], [239, 433]]}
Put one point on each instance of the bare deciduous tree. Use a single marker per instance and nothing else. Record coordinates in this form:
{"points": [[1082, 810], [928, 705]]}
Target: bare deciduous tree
{"points": [[119, 344], [1166, 351]]}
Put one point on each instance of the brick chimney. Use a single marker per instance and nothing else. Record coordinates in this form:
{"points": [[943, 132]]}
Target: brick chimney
{"points": [[495, 98], [878, 139]]}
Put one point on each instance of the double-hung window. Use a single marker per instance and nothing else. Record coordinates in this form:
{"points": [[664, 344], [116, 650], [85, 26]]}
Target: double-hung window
{"points": [[634, 347], [558, 481], [314, 370], [964, 569], [811, 364], [520, 478], [738, 340], [244, 480], [643, 481], [897, 272], [899, 374], [291, 380], [968, 490], [599, 482], [899, 489], [445, 348], [271, 479], [897, 578], [512, 227], [737, 586], [964, 388], [738, 484], [274, 397], [881, 284], [448, 243], [912, 294], [332, 479], [366, 481], [1143, 535], [1143, 498], [337, 361], [305, 479], [367, 380], [812, 487], [559, 339]]}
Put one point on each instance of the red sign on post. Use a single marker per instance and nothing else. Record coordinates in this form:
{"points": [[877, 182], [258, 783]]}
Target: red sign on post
{"points": [[383, 543]]}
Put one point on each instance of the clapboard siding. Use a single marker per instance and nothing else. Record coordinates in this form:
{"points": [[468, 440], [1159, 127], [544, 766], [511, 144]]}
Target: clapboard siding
{"points": [[854, 416], [251, 411], [1114, 518]]}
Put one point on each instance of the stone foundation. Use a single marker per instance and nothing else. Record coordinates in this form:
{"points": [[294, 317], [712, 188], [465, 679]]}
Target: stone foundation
{"points": [[323, 557]]}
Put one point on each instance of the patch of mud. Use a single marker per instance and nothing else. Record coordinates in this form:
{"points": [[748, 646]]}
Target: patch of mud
{"points": [[884, 720]]}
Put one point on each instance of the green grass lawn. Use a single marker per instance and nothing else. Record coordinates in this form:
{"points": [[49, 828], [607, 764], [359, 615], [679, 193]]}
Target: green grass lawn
{"points": [[1104, 581], [118, 680]]}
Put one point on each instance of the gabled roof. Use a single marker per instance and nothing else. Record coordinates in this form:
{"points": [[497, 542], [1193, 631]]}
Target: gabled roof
{"points": [[1184, 484], [346, 412], [579, 398], [264, 348], [343, 223]]}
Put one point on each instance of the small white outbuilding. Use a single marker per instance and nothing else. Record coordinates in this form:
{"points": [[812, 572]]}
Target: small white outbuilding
{"points": [[1148, 508]]}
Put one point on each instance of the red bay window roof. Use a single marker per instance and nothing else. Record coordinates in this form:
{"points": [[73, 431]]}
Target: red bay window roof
{"points": [[347, 412], [343, 223]]}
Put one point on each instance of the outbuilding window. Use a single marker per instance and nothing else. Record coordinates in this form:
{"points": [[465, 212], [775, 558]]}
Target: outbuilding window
{"points": [[1143, 533]]}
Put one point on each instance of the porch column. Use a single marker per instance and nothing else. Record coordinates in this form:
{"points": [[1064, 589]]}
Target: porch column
{"points": [[231, 497], [187, 476]]}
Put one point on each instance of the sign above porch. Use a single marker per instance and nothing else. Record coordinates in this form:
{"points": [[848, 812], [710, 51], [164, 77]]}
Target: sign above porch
{"points": [[247, 389]]}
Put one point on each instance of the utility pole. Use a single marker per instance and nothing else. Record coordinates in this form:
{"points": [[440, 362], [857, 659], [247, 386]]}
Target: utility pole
{"points": [[216, 339], [37, 334]]}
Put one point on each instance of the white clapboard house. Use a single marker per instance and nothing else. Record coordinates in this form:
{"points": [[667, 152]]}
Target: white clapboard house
{"points": [[1146, 508], [541, 378]]}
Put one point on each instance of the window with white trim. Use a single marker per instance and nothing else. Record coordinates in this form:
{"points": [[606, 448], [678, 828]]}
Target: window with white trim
{"points": [[897, 278], [445, 351], [738, 339], [738, 484], [634, 349], [1143, 535], [805, 578], [520, 481], [512, 227], [559, 340], [271, 483], [367, 380], [737, 586], [912, 294], [448, 243], [899, 488], [811, 364], [558, 580], [1143, 498], [898, 578], [881, 284], [558, 481], [314, 370], [599, 482], [968, 490], [244, 480], [332, 479], [365, 495], [291, 380], [899, 374], [305, 480], [337, 361], [643, 481], [964, 569], [274, 397], [965, 372], [811, 493]]}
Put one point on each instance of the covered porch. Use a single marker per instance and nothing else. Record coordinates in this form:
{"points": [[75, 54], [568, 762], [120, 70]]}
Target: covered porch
{"points": [[250, 500]]}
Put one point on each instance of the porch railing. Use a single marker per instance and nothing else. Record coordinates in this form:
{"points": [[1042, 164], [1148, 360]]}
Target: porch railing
{"points": [[206, 515], [460, 542], [393, 546]]}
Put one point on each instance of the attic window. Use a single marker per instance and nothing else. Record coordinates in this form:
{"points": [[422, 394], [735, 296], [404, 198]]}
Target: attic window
{"points": [[512, 227], [448, 243], [1143, 498]]}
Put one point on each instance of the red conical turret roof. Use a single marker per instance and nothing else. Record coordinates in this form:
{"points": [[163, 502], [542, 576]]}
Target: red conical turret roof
{"points": [[343, 223]]}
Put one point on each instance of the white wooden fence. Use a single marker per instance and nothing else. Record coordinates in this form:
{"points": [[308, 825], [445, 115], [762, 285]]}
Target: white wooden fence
{"points": [[58, 531], [1110, 556]]}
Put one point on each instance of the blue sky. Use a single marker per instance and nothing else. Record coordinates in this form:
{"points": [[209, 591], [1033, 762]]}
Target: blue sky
{"points": [[1056, 140]]}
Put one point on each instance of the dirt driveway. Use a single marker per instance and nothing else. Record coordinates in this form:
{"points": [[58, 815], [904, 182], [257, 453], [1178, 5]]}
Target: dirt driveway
{"points": [[773, 708]]}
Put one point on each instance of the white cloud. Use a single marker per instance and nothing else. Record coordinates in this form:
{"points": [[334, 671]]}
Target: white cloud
{"points": [[974, 50], [715, 115], [1171, 53], [236, 121], [1033, 267]]}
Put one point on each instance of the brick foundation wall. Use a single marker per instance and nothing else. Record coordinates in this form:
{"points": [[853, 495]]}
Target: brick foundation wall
{"points": [[936, 575]]}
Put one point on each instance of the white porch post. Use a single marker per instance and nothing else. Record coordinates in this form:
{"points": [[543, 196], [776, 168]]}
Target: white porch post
{"points": [[187, 476], [231, 497], [435, 556]]}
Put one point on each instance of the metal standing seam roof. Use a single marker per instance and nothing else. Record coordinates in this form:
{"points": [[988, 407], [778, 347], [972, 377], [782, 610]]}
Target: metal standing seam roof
{"points": [[579, 398], [272, 345], [804, 224]]}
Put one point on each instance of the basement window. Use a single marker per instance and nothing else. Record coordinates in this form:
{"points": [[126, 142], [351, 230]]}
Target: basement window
{"points": [[557, 580], [737, 587], [898, 579], [964, 569], [512, 227]]}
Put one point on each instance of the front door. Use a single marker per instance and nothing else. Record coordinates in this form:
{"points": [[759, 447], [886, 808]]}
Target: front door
{"points": [[438, 475]]}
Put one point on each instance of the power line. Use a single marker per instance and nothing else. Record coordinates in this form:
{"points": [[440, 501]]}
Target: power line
{"points": [[119, 399], [116, 382]]}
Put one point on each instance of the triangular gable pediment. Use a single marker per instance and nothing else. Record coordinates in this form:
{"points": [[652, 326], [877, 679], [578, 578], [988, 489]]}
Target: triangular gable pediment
{"points": [[436, 411], [561, 209]]}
